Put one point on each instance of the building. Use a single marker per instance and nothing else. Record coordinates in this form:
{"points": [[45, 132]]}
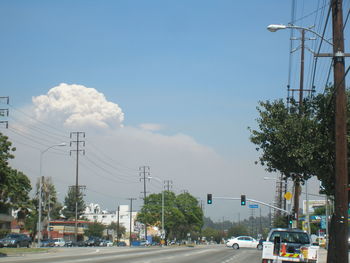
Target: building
{"points": [[66, 229], [94, 213], [312, 205], [5, 220]]}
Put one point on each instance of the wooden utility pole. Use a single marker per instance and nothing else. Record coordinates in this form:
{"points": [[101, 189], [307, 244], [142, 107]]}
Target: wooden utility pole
{"points": [[341, 166], [130, 238], [297, 187], [118, 229], [77, 151], [145, 174]]}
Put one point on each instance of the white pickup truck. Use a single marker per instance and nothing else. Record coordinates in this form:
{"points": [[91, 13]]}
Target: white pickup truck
{"points": [[289, 245]]}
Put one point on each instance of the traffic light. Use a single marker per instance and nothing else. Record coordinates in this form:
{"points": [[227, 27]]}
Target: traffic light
{"points": [[290, 220], [243, 200], [209, 199]]}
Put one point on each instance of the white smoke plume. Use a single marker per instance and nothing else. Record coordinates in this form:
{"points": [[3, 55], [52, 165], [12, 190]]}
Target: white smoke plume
{"points": [[78, 106]]}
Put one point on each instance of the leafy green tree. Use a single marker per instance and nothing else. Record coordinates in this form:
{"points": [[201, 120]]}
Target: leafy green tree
{"points": [[49, 197], [69, 204], [212, 234], [14, 185], [238, 230], [286, 138], [50, 205], [95, 230], [193, 214], [119, 230], [182, 213], [299, 145], [31, 219], [281, 221]]}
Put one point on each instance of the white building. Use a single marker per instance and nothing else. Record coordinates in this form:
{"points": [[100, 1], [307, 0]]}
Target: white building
{"points": [[94, 213], [313, 204]]}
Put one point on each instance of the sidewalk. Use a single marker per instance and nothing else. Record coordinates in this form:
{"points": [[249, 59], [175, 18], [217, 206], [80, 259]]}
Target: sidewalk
{"points": [[323, 256]]}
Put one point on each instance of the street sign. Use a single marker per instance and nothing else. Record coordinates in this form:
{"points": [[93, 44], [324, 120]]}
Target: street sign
{"points": [[254, 206], [323, 222], [288, 195]]}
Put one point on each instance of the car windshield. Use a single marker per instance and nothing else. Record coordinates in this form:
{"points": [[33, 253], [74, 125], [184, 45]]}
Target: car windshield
{"points": [[12, 236], [291, 237]]}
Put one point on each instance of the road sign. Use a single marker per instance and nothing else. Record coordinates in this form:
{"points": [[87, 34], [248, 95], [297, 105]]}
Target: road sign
{"points": [[288, 195], [254, 206]]}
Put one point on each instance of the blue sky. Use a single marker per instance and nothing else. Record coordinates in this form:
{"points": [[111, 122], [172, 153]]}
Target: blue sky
{"points": [[196, 68]]}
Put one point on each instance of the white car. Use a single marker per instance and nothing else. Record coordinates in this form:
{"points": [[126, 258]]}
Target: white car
{"points": [[242, 241], [59, 242]]}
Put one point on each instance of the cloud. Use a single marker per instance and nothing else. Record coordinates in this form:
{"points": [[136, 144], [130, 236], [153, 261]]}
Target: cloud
{"points": [[78, 106], [114, 153], [151, 126]]}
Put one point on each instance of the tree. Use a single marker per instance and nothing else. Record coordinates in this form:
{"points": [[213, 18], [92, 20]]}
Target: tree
{"points": [[286, 138], [193, 214], [118, 229], [238, 230], [14, 185], [51, 207], [182, 213], [69, 204], [95, 230], [299, 146], [212, 234]]}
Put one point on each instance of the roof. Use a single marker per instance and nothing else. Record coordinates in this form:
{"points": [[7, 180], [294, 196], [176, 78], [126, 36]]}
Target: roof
{"points": [[288, 229]]}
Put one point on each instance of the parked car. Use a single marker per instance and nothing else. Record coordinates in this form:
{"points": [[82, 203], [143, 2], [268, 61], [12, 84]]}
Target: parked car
{"points": [[121, 244], [93, 242], [144, 243], [47, 243], [106, 243], [71, 243], [59, 242], [15, 240], [242, 241]]}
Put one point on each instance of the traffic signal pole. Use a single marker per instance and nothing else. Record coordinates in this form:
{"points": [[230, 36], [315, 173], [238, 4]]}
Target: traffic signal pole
{"points": [[252, 201]]}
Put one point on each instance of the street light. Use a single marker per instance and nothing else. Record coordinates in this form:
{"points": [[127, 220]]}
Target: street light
{"points": [[275, 27], [159, 180], [40, 188], [341, 151]]}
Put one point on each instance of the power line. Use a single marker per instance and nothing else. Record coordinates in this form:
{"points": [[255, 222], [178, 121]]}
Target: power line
{"points": [[320, 45]]}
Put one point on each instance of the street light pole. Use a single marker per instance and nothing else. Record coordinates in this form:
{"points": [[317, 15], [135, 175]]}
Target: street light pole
{"points": [[338, 250], [41, 179]]}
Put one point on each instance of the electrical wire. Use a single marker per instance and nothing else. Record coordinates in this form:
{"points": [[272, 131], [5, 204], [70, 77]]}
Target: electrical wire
{"points": [[120, 177], [320, 45]]}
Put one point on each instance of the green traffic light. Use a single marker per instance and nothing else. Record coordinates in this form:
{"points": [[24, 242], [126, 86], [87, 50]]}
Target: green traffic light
{"points": [[243, 199], [209, 199]]}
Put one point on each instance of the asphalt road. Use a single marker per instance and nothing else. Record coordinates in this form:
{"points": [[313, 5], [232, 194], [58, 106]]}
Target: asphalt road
{"points": [[200, 254]]}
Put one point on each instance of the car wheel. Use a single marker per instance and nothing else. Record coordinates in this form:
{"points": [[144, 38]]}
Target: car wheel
{"points": [[259, 247], [235, 246]]}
